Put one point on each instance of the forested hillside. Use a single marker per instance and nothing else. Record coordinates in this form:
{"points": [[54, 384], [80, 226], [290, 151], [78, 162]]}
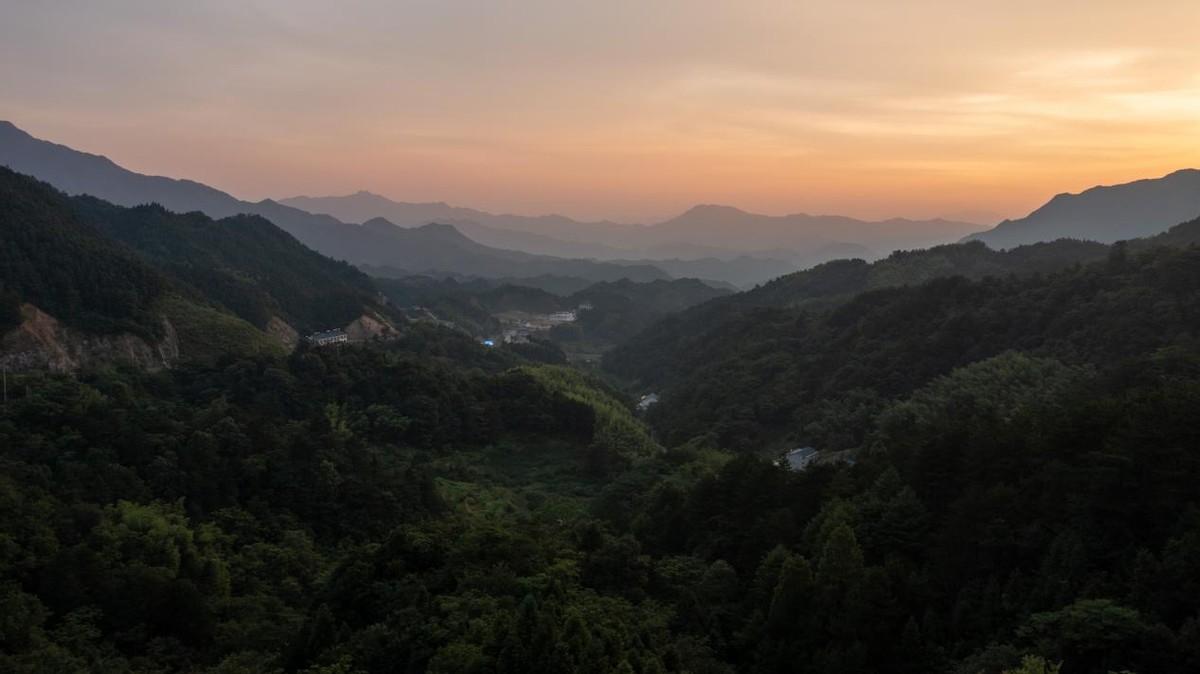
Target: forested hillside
{"points": [[1007, 483], [759, 376], [216, 287], [659, 354], [622, 308], [367, 511], [51, 257], [1016, 507], [245, 263], [226, 515]]}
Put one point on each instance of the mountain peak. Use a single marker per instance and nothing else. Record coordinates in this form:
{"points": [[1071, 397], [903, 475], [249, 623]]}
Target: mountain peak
{"points": [[1188, 173], [13, 133], [713, 209], [376, 223], [432, 231], [709, 215], [442, 230], [1106, 213]]}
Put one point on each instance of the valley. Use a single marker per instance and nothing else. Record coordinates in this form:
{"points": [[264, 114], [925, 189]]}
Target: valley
{"points": [[250, 438]]}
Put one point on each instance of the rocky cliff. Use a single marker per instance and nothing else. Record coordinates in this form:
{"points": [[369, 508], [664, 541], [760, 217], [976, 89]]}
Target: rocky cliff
{"points": [[41, 342]]}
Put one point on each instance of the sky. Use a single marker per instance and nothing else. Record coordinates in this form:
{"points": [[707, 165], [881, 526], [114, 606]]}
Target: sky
{"points": [[621, 109]]}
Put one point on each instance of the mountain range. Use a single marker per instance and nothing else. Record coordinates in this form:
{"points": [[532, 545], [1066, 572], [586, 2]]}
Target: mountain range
{"points": [[705, 231], [402, 250], [721, 244], [435, 247], [1105, 213], [487, 250], [713, 242]]}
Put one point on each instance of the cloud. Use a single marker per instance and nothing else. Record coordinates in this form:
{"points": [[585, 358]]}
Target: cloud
{"points": [[601, 109]]}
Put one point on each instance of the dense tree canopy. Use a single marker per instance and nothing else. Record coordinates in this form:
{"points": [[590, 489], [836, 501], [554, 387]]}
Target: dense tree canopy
{"points": [[50, 257], [1006, 479], [764, 375], [106, 269], [388, 513], [243, 263]]}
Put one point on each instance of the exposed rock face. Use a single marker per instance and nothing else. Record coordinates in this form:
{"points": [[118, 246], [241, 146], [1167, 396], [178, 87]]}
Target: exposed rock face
{"points": [[283, 332], [42, 343], [366, 327]]}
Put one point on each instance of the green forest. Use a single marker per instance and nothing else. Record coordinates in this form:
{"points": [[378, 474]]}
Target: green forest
{"points": [[370, 510], [106, 269], [51, 258], [758, 373], [1007, 483], [243, 263]]}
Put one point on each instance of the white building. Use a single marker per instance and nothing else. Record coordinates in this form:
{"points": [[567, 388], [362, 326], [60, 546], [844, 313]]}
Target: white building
{"points": [[334, 336], [798, 459], [646, 401]]}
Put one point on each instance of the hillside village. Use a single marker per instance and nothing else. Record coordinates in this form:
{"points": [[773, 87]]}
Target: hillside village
{"points": [[519, 326]]}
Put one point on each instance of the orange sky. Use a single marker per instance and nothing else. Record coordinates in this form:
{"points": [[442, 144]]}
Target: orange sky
{"points": [[621, 109]]}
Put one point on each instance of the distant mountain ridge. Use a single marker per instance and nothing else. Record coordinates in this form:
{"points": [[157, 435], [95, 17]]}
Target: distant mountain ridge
{"points": [[1105, 213], [708, 224], [548, 235], [559, 236], [76, 172], [702, 231], [438, 247], [721, 244]]}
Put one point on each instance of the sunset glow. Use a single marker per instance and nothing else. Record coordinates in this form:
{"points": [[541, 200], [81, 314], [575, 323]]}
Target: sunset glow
{"points": [[624, 110]]}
